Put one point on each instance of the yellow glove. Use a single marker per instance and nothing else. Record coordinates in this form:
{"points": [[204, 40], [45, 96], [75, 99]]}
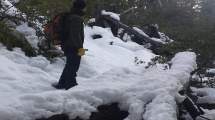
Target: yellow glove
{"points": [[81, 52]]}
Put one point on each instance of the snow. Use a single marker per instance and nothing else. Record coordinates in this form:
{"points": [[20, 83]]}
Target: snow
{"points": [[144, 34], [40, 62], [93, 20], [211, 70], [157, 40], [107, 74], [10, 9], [126, 37], [206, 95], [208, 114], [164, 38], [140, 31], [29, 33], [111, 14]]}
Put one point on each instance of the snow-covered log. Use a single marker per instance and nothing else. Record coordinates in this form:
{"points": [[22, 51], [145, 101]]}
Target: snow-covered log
{"points": [[141, 38]]}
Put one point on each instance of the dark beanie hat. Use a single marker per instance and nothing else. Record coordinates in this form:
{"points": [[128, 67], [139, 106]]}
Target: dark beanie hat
{"points": [[79, 4]]}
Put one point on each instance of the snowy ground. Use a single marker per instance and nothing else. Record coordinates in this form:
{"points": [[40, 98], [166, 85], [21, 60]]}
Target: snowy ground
{"points": [[107, 74], [206, 95]]}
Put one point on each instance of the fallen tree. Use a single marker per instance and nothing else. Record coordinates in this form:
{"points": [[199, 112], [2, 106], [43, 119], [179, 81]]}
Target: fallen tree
{"points": [[141, 38], [106, 20]]}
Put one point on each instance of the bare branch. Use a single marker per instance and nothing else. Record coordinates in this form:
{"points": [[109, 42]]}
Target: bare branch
{"points": [[127, 11], [160, 3]]}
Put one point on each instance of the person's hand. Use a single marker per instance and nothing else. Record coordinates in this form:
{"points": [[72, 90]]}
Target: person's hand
{"points": [[81, 52]]}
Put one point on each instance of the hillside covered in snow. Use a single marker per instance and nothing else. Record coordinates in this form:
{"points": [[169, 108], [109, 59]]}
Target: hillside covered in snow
{"points": [[108, 74], [111, 71]]}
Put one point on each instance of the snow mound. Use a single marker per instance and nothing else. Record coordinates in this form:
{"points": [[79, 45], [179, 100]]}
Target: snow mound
{"points": [[150, 95], [40, 62], [207, 95], [29, 33]]}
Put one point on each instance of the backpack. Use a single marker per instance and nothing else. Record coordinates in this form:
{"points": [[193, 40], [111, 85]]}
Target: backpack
{"points": [[55, 29]]}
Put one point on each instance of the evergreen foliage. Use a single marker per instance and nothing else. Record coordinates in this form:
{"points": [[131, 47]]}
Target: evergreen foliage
{"points": [[41, 11], [10, 40], [49, 52]]}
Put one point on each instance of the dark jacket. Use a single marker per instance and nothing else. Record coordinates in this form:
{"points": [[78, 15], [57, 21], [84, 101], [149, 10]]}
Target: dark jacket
{"points": [[75, 27]]}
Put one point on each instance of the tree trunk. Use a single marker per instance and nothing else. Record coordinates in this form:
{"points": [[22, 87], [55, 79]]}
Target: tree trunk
{"points": [[112, 8], [98, 16]]}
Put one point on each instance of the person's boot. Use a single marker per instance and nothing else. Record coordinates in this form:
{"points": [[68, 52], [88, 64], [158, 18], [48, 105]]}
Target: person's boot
{"points": [[58, 86], [68, 87], [70, 83]]}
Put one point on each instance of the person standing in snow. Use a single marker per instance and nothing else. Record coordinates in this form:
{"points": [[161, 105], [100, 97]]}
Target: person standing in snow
{"points": [[73, 47]]}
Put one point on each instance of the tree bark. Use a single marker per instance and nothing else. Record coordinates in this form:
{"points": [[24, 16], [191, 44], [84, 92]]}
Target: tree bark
{"points": [[98, 16], [112, 8]]}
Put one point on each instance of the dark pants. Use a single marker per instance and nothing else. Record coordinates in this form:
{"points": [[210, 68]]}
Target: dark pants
{"points": [[67, 78]]}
